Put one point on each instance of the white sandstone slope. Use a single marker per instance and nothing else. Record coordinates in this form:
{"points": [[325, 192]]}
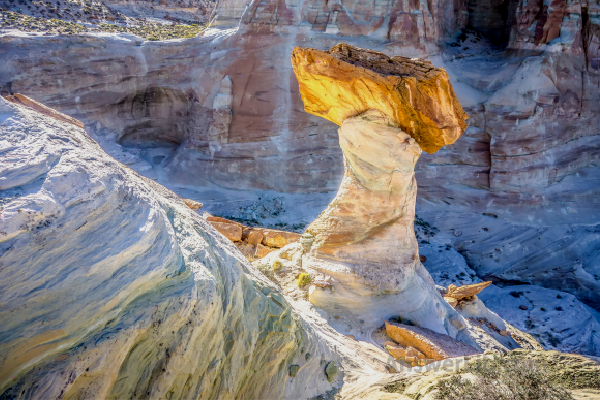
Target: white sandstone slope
{"points": [[111, 287]]}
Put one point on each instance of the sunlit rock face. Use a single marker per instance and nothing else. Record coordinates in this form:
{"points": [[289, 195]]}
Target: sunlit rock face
{"points": [[112, 287], [365, 240], [531, 149], [346, 81]]}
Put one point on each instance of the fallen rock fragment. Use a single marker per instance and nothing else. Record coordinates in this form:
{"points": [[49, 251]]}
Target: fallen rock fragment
{"points": [[433, 345], [395, 350], [466, 291], [194, 205], [231, 231], [254, 238], [262, 251]]}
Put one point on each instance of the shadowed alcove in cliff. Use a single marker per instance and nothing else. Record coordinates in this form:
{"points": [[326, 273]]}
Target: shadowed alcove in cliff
{"points": [[493, 18]]}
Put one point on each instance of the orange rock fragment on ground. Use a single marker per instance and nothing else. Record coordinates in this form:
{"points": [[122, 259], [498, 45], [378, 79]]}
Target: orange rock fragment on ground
{"points": [[346, 81], [23, 100], [255, 238], [262, 251], [433, 345], [395, 350], [231, 231], [194, 205], [466, 291]]}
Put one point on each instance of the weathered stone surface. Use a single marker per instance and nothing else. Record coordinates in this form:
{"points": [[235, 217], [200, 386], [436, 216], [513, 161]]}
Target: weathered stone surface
{"points": [[134, 281], [365, 238], [432, 344], [194, 205], [466, 291], [395, 350], [347, 81], [18, 98], [255, 237], [262, 251], [231, 231]]}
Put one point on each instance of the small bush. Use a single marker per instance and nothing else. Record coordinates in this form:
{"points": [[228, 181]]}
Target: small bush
{"points": [[303, 279], [277, 265], [504, 377], [543, 309]]}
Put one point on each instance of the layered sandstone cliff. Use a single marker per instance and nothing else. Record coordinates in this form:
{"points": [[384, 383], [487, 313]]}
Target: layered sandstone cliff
{"points": [[522, 180]]}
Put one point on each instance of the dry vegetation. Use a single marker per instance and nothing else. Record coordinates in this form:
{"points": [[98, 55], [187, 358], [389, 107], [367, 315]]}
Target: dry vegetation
{"points": [[504, 377]]}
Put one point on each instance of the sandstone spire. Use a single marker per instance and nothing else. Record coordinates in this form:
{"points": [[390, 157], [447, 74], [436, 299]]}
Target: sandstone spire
{"points": [[389, 110]]}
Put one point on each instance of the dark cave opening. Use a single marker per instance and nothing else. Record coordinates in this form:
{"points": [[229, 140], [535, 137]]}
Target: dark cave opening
{"points": [[493, 18]]}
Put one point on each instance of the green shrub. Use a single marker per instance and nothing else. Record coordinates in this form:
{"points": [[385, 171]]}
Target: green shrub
{"points": [[277, 265], [303, 279], [504, 377]]}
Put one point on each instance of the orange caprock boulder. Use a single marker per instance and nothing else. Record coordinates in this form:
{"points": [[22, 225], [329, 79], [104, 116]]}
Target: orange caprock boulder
{"points": [[346, 81]]}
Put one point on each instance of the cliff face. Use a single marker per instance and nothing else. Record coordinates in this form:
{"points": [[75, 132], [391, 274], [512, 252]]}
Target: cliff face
{"points": [[531, 91]]}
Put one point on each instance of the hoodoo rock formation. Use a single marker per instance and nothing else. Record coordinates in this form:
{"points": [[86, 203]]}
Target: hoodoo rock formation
{"points": [[365, 238]]}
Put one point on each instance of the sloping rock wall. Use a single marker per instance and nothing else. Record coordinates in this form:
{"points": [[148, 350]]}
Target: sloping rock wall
{"points": [[112, 287]]}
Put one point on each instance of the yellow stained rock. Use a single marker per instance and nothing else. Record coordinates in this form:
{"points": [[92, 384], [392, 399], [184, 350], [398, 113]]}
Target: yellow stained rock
{"points": [[466, 291], [347, 81]]}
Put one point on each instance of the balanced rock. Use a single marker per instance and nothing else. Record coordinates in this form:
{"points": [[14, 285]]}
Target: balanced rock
{"points": [[388, 109], [347, 81]]}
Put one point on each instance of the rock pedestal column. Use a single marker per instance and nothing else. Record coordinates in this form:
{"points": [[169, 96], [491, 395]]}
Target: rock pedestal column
{"points": [[363, 245], [365, 239]]}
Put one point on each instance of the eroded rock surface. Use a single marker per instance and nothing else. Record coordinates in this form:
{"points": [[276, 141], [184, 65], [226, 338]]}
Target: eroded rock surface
{"points": [[347, 81], [112, 287], [365, 240]]}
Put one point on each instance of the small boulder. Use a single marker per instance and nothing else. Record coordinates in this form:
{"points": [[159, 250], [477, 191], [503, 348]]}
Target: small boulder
{"points": [[255, 238], [194, 205], [262, 251], [331, 371], [395, 350], [523, 307], [294, 370], [231, 231]]}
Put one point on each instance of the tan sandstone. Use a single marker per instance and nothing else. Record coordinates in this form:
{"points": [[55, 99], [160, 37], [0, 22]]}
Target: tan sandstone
{"points": [[433, 345], [466, 291], [231, 231]]}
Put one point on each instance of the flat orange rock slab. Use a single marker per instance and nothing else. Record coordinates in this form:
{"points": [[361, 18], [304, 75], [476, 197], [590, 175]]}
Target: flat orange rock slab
{"points": [[433, 345], [346, 81]]}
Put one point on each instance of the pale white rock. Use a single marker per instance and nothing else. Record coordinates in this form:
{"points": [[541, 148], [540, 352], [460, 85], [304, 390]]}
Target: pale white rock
{"points": [[113, 278]]}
